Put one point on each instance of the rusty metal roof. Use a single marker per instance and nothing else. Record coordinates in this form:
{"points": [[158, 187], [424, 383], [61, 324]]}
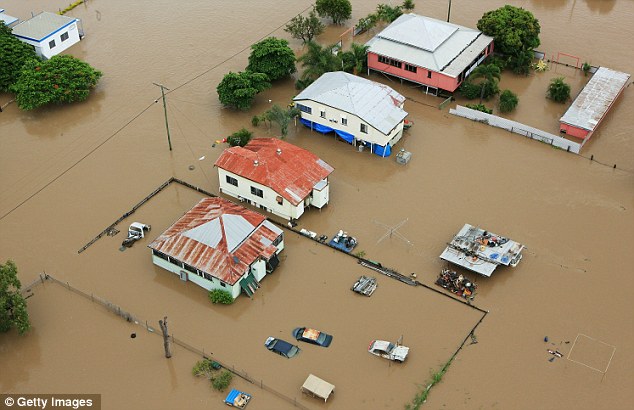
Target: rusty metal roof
{"points": [[290, 171], [220, 238], [596, 98]]}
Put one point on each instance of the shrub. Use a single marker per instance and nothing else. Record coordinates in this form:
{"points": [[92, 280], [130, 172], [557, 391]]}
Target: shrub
{"points": [[586, 68], [203, 368], [469, 90], [220, 296], [240, 138], [498, 61], [558, 90], [508, 101], [222, 381], [480, 107]]}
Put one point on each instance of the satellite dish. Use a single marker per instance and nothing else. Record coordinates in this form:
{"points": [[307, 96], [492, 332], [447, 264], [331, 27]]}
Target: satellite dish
{"points": [[236, 260]]}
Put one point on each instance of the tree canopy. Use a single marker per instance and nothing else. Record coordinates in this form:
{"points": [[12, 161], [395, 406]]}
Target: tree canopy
{"points": [[238, 90], [13, 311], [558, 90], [316, 61], [239, 138], [355, 60], [273, 57], [62, 79], [515, 32], [305, 28], [276, 114], [508, 101], [483, 82], [338, 10], [13, 54]]}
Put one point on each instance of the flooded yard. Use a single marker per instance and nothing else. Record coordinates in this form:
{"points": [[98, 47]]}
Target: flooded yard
{"points": [[67, 173]]}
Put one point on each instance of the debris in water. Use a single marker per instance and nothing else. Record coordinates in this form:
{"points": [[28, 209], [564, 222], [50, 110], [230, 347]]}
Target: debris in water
{"points": [[551, 359], [191, 167], [133, 335], [201, 158], [545, 338], [555, 353]]}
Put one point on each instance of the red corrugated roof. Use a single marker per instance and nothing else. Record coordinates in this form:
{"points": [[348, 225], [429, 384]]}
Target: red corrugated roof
{"points": [[224, 230], [292, 172]]}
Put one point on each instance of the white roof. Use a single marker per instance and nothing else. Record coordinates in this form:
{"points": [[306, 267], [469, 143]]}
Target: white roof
{"points": [[467, 250], [318, 387], [429, 43], [41, 26], [235, 227], [8, 20], [594, 101], [375, 103]]}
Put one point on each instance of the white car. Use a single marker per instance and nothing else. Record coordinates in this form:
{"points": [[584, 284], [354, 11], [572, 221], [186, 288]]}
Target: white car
{"points": [[388, 350]]}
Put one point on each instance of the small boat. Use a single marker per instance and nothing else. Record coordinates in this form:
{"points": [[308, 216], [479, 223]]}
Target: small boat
{"points": [[238, 399], [456, 283], [343, 241]]}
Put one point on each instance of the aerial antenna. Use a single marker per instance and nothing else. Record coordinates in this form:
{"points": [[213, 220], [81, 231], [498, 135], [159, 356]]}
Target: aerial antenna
{"points": [[393, 231]]}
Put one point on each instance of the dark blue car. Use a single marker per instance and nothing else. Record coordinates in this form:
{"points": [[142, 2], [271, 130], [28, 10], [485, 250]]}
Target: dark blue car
{"points": [[281, 347]]}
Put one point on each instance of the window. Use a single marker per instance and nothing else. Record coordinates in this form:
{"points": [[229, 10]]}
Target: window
{"points": [[322, 113], [51, 44], [159, 254], [305, 109], [428, 74], [64, 36], [222, 284], [190, 268], [344, 121], [390, 61], [231, 180], [278, 240], [257, 192], [279, 200], [364, 128], [410, 68]]}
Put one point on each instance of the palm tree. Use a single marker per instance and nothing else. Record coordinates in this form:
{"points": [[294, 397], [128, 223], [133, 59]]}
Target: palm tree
{"points": [[490, 75], [318, 60], [356, 59]]}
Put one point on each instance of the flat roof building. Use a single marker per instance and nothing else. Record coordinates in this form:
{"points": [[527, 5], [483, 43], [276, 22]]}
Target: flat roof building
{"points": [[49, 33]]}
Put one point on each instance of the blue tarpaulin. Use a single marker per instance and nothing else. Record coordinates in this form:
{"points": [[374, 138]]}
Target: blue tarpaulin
{"points": [[345, 136], [314, 126], [382, 151]]}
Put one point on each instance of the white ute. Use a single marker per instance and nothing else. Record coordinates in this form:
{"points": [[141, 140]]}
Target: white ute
{"points": [[388, 350], [136, 231]]}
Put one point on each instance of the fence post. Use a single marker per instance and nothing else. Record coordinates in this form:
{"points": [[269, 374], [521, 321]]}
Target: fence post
{"points": [[68, 285]]}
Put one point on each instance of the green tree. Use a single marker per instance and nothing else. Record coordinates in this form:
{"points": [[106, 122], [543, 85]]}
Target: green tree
{"points": [[221, 382], [387, 13], [318, 60], [408, 5], [239, 139], [238, 90], [558, 90], [356, 59], [61, 80], [515, 32], [281, 117], [486, 78], [305, 28], [337, 10], [508, 101], [273, 57], [220, 296], [13, 54], [13, 311]]}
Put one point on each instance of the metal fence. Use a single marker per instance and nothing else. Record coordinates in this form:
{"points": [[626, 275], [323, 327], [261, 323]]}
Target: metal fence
{"points": [[129, 317]]}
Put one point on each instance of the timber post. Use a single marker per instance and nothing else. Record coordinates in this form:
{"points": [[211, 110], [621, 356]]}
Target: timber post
{"points": [[166, 340]]}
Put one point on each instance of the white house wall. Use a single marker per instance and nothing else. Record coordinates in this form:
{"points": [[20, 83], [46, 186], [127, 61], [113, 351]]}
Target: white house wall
{"points": [[373, 136], [259, 269], [269, 200], [200, 281], [42, 48]]}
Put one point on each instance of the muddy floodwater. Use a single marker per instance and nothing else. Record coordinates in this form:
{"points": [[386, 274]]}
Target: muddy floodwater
{"points": [[66, 173]]}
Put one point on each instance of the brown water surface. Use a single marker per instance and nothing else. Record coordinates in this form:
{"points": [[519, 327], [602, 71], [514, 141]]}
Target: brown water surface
{"points": [[68, 172]]}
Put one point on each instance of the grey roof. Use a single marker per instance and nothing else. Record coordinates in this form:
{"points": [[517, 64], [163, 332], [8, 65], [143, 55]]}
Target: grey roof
{"points": [[375, 103], [429, 43], [41, 26], [8, 20], [235, 227], [594, 101]]}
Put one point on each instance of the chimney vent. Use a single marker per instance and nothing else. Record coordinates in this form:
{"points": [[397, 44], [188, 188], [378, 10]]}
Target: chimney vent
{"points": [[279, 151], [255, 163]]}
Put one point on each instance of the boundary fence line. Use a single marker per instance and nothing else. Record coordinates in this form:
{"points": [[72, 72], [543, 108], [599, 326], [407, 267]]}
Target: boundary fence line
{"points": [[129, 317]]}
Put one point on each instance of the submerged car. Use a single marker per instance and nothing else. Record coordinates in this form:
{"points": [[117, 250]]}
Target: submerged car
{"points": [[388, 350], [281, 347], [308, 335]]}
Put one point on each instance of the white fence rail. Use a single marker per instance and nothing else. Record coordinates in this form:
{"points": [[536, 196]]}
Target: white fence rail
{"points": [[518, 128]]}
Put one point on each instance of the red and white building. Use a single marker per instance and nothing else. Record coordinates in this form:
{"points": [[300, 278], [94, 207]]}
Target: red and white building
{"points": [[593, 103], [436, 54], [220, 245], [274, 175]]}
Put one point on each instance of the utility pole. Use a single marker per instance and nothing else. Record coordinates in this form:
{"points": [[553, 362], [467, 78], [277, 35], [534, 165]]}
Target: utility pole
{"points": [[166, 339], [167, 127], [449, 11]]}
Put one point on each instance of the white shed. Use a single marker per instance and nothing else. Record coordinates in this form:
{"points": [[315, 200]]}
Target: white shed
{"points": [[49, 33], [7, 19], [318, 387]]}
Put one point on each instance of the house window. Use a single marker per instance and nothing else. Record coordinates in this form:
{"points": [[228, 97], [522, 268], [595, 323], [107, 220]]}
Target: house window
{"points": [[305, 109], [278, 240], [257, 192], [410, 68], [159, 254], [209, 277], [344, 121], [190, 268], [222, 284], [51, 44], [364, 128], [322, 113], [64, 36], [279, 200], [232, 181], [390, 61], [428, 74]]}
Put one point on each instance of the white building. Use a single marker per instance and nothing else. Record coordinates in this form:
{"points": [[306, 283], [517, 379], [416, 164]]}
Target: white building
{"points": [[7, 19], [49, 33], [359, 111], [220, 245], [274, 175]]}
